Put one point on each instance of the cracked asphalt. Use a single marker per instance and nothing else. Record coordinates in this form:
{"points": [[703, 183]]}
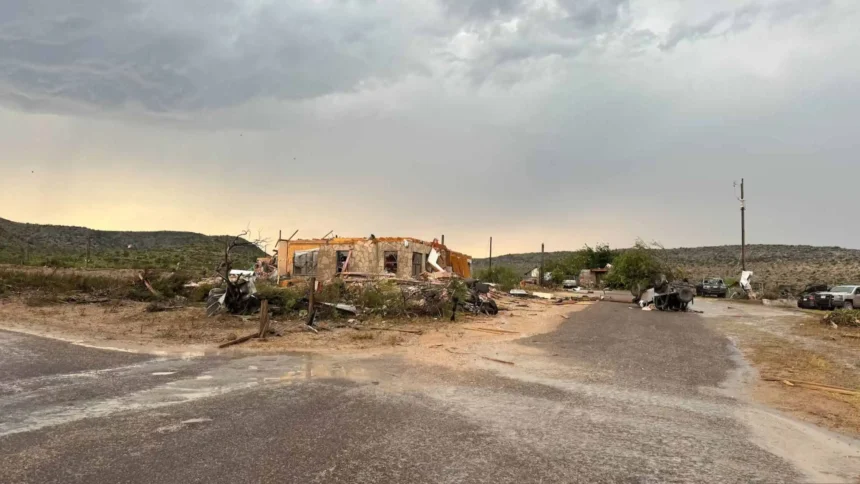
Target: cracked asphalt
{"points": [[614, 395]]}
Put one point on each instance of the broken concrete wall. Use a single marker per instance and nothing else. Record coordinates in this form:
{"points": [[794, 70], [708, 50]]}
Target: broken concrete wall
{"points": [[587, 279], [368, 256]]}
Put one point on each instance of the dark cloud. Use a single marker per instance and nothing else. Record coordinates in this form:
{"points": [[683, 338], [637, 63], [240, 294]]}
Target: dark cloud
{"points": [[738, 20], [594, 14], [174, 58], [481, 9], [190, 56]]}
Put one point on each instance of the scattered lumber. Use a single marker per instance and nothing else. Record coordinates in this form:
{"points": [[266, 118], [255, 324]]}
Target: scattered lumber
{"points": [[815, 386], [156, 307], [511, 363], [492, 330], [850, 335], [411, 331], [239, 340], [149, 286], [498, 361]]}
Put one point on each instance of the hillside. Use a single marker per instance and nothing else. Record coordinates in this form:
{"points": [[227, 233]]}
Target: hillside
{"points": [[65, 246], [773, 265]]}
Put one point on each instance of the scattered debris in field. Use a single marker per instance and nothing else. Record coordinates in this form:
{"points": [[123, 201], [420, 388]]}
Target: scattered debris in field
{"points": [[160, 306], [815, 386], [240, 340], [347, 308], [148, 286], [412, 331], [84, 299], [492, 330], [497, 360]]}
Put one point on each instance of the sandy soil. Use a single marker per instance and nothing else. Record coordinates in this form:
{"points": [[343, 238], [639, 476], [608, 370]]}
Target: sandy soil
{"points": [[127, 326], [791, 345]]}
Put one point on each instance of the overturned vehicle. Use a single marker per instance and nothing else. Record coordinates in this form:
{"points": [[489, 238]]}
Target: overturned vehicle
{"points": [[664, 295]]}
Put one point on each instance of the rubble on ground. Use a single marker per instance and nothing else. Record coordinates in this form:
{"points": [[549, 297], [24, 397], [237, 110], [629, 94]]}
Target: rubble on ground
{"points": [[665, 296]]}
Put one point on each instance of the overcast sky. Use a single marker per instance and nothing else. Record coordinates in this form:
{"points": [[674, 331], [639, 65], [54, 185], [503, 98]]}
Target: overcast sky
{"points": [[557, 121]]}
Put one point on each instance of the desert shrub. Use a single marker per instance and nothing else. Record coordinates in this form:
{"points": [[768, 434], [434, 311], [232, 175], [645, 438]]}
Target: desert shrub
{"points": [[843, 317], [56, 262], [282, 300], [505, 277], [21, 281], [172, 284], [168, 285], [199, 293], [637, 266], [40, 299], [332, 292]]}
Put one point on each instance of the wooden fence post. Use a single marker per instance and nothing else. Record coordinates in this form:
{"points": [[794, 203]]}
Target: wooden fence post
{"points": [[264, 318]]}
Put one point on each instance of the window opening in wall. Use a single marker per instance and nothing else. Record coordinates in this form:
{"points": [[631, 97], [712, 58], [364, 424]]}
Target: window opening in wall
{"points": [[305, 262], [417, 263], [390, 258], [342, 257]]}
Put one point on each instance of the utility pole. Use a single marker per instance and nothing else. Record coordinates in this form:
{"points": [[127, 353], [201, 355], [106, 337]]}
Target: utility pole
{"points": [[491, 256], [743, 228], [540, 276]]}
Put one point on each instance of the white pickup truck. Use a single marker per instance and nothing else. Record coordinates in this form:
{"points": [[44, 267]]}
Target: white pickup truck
{"points": [[840, 297]]}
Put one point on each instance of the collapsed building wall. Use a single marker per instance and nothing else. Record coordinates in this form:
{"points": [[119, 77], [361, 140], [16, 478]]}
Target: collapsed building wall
{"points": [[400, 256]]}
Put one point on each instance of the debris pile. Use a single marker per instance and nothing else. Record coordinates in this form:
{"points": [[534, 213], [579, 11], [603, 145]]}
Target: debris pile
{"points": [[237, 297], [665, 296]]}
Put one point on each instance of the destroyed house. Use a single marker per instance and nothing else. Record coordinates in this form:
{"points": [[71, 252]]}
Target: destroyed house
{"points": [[402, 257]]}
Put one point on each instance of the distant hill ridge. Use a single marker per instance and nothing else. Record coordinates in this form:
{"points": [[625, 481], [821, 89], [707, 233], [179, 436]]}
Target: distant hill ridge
{"points": [[772, 264], [52, 243]]}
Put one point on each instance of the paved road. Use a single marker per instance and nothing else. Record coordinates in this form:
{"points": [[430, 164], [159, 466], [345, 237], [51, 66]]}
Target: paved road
{"points": [[614, 395]]}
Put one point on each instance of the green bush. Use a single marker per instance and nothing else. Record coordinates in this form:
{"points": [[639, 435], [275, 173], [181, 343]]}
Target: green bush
{"points": [[332, 292], [505, 277], [172, 284], [568, 267], [199, 293], [282, 300], [384, 297], [637, 266]]}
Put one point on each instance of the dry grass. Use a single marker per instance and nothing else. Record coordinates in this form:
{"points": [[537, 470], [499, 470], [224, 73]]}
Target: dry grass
{"points": [[804, 359]]}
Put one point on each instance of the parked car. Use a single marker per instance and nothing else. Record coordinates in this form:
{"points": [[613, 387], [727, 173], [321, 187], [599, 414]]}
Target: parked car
{"points": [[569, 284], [712, 287], [806, 300], [839, 297]]}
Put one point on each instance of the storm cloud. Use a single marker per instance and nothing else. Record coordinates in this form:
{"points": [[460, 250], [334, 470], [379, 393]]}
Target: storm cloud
{"points": [[528, 110]]}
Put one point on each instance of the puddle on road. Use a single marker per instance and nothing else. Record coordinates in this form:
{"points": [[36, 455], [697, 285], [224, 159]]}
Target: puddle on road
{"points": [[228, 376]]}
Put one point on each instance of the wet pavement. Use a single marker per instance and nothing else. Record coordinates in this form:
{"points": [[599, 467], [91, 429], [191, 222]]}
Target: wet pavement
{"points": [[614, 395]]}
